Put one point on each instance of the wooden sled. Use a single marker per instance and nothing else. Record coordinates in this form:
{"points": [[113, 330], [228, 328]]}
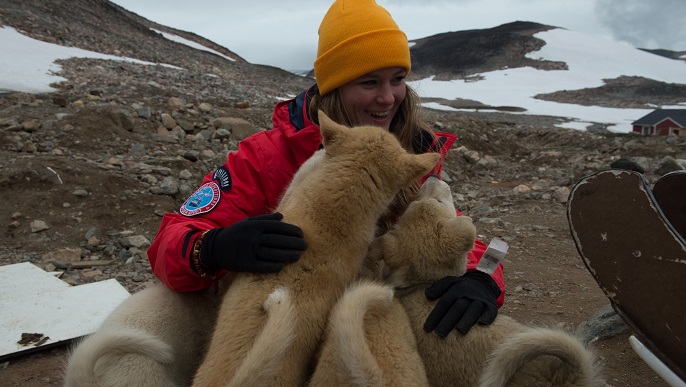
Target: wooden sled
{"points": [[670, 194], [637, 257]]}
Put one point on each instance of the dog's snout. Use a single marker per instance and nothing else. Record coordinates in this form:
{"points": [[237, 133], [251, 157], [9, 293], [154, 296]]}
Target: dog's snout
{"points": [[435, 188]]}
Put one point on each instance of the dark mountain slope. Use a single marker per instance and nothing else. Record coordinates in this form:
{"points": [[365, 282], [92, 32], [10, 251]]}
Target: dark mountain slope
{"points": [[679, 55], [453, 55]]}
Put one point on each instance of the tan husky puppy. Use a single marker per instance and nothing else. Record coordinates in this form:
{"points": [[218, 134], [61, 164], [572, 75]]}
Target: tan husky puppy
{"points": [[428, 243], [369, 342], [336, 204]]}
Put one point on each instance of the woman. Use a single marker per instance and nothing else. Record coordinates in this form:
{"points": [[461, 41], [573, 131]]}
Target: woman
{"points": [[227, 225]]}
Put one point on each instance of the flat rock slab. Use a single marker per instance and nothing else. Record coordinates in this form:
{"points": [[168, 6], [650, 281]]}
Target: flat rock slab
{"points": [[40, 311]]}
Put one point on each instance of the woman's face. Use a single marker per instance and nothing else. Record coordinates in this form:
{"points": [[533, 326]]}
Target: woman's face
{"points": [[373, 98]]}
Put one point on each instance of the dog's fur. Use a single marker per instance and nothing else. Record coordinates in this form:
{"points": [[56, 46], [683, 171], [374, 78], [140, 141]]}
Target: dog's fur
{"points": [[428, 243], [369, 342], [369, 339], [154, 338], [336, 203], [264, 360]]}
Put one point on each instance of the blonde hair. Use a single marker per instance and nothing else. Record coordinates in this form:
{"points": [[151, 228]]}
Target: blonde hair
{"points": [[407, 124]]}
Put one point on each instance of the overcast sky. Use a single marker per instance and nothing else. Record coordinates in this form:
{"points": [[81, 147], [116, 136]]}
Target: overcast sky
{"points": [[284, 33]]}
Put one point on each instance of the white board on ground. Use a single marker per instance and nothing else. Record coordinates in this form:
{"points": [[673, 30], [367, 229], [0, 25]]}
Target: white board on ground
{"points": [[34, 302]]}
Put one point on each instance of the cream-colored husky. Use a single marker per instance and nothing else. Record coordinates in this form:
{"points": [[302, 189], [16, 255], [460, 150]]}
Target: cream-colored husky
{"points": [[428, 243], [336, 204], [155, 338]]}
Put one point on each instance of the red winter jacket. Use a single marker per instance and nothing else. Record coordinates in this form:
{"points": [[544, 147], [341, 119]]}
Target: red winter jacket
{"points": [[249, 184]]}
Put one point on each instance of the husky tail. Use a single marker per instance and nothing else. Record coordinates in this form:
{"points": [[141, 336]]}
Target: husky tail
{"points": [[575, 367], [263, 360], [117, 358], [347, 325]]}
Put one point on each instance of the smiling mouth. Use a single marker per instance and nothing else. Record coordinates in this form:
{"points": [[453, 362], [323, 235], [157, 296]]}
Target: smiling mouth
{"points": [[379, 115]]}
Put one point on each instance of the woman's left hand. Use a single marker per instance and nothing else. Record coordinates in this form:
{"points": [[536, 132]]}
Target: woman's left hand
{"points": [[463, 302]]}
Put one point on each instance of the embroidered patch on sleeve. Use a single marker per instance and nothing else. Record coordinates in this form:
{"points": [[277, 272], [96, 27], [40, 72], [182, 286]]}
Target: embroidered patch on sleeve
{"points": [[223, 177], [202, 201]]}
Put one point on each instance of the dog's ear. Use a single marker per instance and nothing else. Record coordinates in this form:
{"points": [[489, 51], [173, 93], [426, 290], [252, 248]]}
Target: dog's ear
{"points": [[330, 130], [376, 250], [373, 265], [417, 166], [460, 232], [385, 249]]}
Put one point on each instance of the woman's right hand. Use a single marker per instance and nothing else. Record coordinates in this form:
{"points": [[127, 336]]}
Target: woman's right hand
{"points": [[261, 244]]}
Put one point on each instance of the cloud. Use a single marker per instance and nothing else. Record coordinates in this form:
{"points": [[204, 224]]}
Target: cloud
{"points": [[646, 24], [387, 3]]}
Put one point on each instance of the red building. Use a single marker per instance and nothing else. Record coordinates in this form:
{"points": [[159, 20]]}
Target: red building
{"points": [[662, 122]]}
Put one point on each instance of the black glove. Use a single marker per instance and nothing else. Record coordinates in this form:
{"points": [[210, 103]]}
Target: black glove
{"points": [[463, 301], [261, 244]]}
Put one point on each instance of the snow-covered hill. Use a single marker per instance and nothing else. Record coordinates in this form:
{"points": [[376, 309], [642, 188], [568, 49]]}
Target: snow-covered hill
{"points": [[590, 60], [28, 65]]}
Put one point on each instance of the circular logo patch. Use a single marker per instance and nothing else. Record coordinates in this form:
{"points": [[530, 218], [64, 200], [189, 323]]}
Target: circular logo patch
{"points": [[202, 201]]}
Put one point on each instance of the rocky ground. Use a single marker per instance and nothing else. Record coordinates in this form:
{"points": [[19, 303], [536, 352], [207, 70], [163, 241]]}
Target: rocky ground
{"points": [[87, 172]]}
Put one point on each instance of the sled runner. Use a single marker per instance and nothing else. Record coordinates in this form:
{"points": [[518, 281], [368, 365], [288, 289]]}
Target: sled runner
{"points": [[636, 255], [670, 194]]}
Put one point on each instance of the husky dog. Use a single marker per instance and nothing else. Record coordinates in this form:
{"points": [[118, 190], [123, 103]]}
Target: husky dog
{"points": [[154, 338], [336, 203], [366, 329]]}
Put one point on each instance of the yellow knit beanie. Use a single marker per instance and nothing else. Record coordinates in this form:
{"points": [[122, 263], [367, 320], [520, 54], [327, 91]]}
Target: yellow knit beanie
{"points": [[355, 38]]}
